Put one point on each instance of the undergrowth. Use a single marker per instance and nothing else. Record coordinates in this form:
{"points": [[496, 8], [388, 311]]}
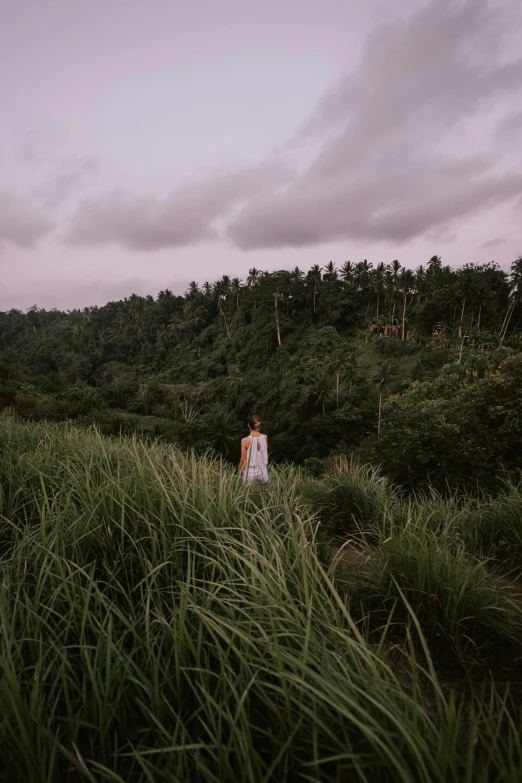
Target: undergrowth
{"points": [[161, 622]]}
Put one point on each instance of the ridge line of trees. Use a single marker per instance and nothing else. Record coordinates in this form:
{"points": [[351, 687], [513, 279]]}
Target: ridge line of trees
{"points": [[328, 350]]}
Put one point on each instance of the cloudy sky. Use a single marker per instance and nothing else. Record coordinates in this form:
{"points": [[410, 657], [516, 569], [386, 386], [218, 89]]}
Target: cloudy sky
{"points": [[147, 143]]}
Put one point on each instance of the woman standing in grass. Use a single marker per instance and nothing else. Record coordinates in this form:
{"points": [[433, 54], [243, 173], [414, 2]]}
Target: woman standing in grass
{"points": [[254, 453]]}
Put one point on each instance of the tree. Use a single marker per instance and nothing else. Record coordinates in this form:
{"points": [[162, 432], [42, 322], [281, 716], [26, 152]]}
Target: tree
{"points": [[298, 335], [326, 356], [378, 284], [220, 431], [362, 275], [464, 289], [450, 433], [347, 272], [315, 276], [253, 276], [222, 290], [330, 272], [406, 286], [276, 298], [235, 287], [382, 376], [392, 274], [515, 295]]}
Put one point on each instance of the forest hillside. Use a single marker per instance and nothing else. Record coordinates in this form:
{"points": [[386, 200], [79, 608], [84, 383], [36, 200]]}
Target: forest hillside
{"points": [[416, 371]]}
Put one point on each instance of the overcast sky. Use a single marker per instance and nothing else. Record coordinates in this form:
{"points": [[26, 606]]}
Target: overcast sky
{"points": [[147, 143]]}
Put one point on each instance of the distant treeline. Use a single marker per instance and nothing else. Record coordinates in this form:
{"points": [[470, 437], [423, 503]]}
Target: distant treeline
{"points": [[327, 357]]}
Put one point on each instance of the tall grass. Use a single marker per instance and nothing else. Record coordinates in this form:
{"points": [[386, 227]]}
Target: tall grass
{"points": [[455, 560], [161, 622], [353, 495], [467, 613]]}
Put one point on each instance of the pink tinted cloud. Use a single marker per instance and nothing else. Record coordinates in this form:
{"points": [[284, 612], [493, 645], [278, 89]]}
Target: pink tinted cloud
{"points": [[19, 223], [383, 177], [187, 216], [380, 173]]}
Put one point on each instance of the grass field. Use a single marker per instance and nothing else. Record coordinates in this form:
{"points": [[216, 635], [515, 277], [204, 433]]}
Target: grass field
{"points": [[159, 622]]}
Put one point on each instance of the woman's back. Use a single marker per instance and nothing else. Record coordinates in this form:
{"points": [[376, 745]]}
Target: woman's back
{"points": [[254, 453], [257, 451]]}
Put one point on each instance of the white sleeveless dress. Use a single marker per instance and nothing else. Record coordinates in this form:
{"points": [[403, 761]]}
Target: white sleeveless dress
{"points": [[256, 461]]}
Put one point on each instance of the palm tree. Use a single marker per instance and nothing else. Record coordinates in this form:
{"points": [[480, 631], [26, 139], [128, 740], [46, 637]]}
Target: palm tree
{"points": [[362, 274], [295, 288], [343, 361], [486, 289], [165, 296], [280, 284], [464, 289], [382, 376], [347, 271], [322, 386], [378, 284], [434, 266], [330, 272], [315, 275], [515, 295], [350, 370], [221, 430], [276, 298], [235, 287], [422, 285], [253, 276], [221, 290], [392, 273], [406, 286]]}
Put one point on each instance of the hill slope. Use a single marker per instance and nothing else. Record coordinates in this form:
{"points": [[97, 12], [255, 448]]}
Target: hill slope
{"points": [[159, 621], [318, 355]]}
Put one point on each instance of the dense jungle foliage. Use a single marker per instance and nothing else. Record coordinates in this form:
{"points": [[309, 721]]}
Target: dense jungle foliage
{"points": [[418, 371]]}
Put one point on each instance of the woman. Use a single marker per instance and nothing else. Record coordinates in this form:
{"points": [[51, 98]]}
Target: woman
{"points": [[254, 453]]}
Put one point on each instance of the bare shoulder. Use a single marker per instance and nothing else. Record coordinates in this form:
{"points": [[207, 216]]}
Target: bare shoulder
{"points": [[246, 442]]}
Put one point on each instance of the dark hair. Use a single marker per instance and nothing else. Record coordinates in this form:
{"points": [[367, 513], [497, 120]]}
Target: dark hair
{"points": [[252, 420]]}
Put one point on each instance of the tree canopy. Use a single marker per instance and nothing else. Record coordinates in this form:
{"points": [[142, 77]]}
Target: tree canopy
{"points": [[332, 357]]}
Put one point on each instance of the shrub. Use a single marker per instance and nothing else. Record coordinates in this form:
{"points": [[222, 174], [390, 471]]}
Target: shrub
{"points": [[39, 408], [393, 347], [82, 400], [314, 466], [352, 496], [492, 527], [452, 433], [464, 612]]}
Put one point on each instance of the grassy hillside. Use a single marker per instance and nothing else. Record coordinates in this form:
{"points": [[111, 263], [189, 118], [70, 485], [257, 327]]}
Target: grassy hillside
{"points": [[160, 622]]}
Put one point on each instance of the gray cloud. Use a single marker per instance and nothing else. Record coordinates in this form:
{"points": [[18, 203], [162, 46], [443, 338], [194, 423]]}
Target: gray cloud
{"points": [[67, 176], [187, 216], [382, 208], [494, 242], [511, 126], [19, 223], [382, 173], [390, 167]]}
